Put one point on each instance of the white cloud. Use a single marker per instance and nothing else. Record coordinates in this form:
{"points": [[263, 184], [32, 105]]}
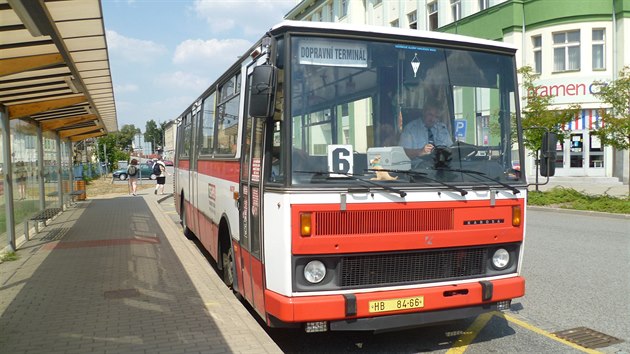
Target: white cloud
{"points": [[133, 50], [252, 18], [183, 81], [209, 56], [125, 88]]}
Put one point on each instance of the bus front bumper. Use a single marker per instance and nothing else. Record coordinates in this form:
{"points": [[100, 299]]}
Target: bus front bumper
{"points": [[356, 311]]}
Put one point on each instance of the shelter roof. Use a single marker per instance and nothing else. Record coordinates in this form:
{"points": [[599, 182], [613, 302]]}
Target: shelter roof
{"points": [[54, 66]]}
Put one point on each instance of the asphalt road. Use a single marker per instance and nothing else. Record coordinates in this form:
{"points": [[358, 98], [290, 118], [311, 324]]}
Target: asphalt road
{"points": [[577, 270]]}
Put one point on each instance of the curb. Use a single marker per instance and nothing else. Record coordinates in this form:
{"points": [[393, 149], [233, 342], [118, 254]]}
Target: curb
{"points": [[580, 212], [165, 197]]}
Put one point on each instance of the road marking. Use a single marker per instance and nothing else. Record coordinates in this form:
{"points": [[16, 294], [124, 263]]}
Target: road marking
{"points": [[546, 334], [461, 344]]}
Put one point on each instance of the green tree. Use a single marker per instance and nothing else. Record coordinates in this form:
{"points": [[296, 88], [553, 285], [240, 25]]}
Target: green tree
{"points": [[114, 148], [126, 135], [615, 130], [537, 117], [153, 133]]}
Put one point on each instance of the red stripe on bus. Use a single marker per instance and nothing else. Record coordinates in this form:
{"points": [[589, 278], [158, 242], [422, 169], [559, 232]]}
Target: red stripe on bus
{"points": [[467, 224], [332, 307], [228, 170]]}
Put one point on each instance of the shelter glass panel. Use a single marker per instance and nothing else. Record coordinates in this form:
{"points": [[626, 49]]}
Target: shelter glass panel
{"points": [[25, 170], [51, 170]]}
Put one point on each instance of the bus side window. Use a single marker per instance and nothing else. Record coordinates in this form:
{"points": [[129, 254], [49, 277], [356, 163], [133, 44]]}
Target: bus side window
{"points": [[277, 166]]}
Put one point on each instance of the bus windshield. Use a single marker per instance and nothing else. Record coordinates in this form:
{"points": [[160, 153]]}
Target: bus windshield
{"points": [[401, 113]]}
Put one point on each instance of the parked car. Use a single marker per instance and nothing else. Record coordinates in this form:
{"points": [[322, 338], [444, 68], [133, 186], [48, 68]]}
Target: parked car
{"points": [[145, 171]]}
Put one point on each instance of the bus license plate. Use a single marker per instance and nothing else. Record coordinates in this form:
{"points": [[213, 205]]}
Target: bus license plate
{"points": [[397, 304]]}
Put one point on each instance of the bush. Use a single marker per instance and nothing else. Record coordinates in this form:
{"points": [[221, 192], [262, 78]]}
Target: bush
{"points": [[569, 198]]}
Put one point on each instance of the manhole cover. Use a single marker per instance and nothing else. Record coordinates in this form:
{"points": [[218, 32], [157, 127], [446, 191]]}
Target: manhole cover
{"points": [[121, 293], [587, 337]]}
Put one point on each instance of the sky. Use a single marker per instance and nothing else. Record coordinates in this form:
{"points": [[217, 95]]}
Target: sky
{"points": [[164, 53]]}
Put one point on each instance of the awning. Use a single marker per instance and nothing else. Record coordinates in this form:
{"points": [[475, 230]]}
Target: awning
{"points": [[54, 66]]}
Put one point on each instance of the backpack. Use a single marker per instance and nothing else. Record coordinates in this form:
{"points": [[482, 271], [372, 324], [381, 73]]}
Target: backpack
{"points": [[132, 170], [156, 169]]}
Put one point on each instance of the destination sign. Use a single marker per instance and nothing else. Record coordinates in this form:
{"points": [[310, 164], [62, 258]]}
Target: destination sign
{"points": [[333, 53]]}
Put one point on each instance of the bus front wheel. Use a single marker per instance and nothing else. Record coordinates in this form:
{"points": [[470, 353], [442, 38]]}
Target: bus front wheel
{"points": [[227, 262], [187, 232]]}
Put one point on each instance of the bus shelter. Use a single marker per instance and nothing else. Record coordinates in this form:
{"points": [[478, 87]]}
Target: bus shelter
{"points": [[55, 91]]}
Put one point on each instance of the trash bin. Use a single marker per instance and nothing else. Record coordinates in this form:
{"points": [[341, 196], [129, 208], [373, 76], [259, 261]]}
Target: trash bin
{"points": [[80, 186]]}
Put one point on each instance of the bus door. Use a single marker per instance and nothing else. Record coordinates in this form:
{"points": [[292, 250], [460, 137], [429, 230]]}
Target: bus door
{"points": [[193, 187], [250, 267]]}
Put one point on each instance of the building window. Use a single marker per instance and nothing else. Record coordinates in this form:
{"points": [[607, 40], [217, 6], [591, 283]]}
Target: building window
{"points": [[394, 23], [344, 8], [412, 18], [537, 44], [331, 15], [484, 4], [566, 51], [456, 8], [432, 11], [599, 41]]}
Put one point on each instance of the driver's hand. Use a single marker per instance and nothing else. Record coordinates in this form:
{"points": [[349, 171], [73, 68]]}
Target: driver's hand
{"points": [[427, 149]]}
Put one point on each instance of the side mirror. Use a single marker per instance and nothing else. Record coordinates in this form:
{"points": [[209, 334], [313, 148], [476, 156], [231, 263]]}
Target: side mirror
{"points": [[262, 88], [548, 154]]}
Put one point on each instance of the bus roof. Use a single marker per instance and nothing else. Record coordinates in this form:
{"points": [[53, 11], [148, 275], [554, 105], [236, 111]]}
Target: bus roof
{"points": [[392, 31]]}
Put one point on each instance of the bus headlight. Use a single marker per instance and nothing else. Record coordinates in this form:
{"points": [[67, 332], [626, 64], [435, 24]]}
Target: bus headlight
{"points": [[500, 258], [314, 272]]}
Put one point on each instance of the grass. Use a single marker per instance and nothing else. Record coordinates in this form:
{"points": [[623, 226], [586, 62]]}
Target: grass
{"points": [[568, 198], [8, 257]]}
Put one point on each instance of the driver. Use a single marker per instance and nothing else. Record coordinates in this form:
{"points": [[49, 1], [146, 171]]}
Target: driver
{"points": [[422, 135]]}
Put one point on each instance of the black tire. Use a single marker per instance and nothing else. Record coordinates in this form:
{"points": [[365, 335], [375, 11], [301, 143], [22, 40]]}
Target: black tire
{"points": [[187, 232], [227, 263]]}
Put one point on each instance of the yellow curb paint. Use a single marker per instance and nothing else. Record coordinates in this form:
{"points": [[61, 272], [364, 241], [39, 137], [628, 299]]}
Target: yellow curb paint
{"points": [[461, 344], [546, 334]]}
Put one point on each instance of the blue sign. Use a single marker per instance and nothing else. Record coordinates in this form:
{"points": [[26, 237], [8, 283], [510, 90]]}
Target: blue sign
{"points": [[460, 129]]}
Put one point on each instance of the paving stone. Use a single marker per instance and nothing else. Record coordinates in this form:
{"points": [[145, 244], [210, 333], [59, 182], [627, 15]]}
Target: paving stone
{"points": [[116, 276]]}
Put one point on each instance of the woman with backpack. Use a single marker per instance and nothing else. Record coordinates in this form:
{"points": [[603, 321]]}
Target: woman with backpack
{"points": [[159, 170], [132, 172]]}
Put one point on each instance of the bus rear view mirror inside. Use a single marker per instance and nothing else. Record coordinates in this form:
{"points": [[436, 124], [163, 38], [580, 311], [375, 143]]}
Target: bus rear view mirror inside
{"points": [[262, 89]]}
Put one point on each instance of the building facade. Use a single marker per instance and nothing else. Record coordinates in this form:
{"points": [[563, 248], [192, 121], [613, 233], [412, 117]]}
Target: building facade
{"points": [[569, 46], [170, 136]]}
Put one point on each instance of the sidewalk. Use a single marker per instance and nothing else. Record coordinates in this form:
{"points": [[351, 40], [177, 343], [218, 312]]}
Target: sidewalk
{"points": [[586, 185], [116, 275]]}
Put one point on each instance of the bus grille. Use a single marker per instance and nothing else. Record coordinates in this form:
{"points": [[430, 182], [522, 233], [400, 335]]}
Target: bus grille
{"points": [[353, 222], [414, 267]]}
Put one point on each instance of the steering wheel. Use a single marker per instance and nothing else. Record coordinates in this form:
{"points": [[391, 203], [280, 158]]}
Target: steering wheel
{"points": [[439, 157], [462, 151]]}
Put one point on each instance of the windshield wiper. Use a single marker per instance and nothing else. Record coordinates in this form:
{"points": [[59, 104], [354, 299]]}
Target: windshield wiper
{"points": [[481, 174], [463, 192], [365, 181]]}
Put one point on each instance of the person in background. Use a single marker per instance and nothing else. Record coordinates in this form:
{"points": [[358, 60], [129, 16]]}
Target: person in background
{"points": [[21, 175], [161, 177], [422, 135], [132, 173]]}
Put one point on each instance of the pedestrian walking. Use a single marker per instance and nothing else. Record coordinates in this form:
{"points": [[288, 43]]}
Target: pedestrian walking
{"points": [[159, 170], [132, 173]]}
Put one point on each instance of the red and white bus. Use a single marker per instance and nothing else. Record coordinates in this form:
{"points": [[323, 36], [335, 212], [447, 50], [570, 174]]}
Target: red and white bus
{"points": [[294, 170]]}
